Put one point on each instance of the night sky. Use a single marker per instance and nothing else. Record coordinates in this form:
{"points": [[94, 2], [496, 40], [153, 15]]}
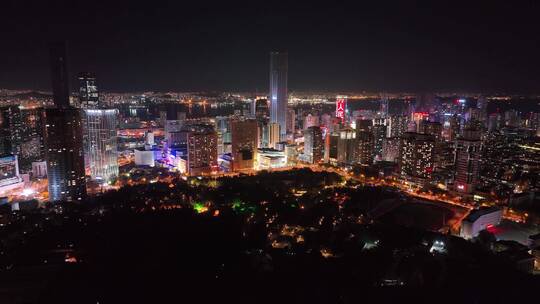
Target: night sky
{"points": [[488, 46]]}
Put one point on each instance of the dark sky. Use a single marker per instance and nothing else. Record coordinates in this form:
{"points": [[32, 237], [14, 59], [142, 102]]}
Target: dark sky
{"points": [[403, 45]]}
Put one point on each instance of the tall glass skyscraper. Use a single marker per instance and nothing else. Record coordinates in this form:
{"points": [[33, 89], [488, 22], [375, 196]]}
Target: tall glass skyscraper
{"points": [[99, 132], [100, 143], [64, 152], [278, 90], [63, 136]]}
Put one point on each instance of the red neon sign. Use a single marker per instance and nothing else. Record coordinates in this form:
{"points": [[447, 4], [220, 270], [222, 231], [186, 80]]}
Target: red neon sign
{"points": [[341, 105]]}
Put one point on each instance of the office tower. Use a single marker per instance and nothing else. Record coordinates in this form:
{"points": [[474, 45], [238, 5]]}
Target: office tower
{"points": [[347, 147], [364, 136], [467, 158], [379, 134], [171, 128], [100, 141], [273, 134], [10, 129], [331, 147], [311, 121], [222, 127], [313, 144], [88, 92], [202, 152], [99, 132], [291, 121], [278, 90], [64, 154], [263, 127], [60, 76], [63, 137], [397, 125], [416, 156], [244, 143]]}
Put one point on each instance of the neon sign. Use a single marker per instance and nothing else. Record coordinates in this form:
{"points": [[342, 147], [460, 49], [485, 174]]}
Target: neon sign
{"points": [[341, 106]]}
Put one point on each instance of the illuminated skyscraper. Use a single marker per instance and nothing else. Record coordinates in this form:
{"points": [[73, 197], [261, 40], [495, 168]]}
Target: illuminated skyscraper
{"points": [[202, 152], [364, 137], [99, 132], [347, 147], [88, 92], [63, 137], [64, 154], [273, 134], [397, 125], [31, 132], [278, 90], [379, 135], [313, 144], [416, 155], [10, 127], [467, 158], [100, 143]]}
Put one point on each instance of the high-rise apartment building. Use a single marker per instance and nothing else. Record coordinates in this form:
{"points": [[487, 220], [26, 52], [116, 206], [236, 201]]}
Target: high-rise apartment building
{"points": [[416, 155], [467, 159], [202, 152]]}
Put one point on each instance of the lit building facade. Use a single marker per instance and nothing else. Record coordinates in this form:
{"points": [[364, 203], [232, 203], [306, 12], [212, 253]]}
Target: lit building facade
{"points": [[313, 144], [397, 125], [467, 161], [100, 143], [202, 153], [244, 144], [365, 140], [379, 135], [64, 154], [10, 129], [347, 147], [273, 135], [478, 220], [63, 136], [9, 174], [416, 155], [278, 90]]}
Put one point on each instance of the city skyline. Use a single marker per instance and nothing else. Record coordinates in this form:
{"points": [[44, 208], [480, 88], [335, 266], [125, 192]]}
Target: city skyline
{"points": [[269, 194]]}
